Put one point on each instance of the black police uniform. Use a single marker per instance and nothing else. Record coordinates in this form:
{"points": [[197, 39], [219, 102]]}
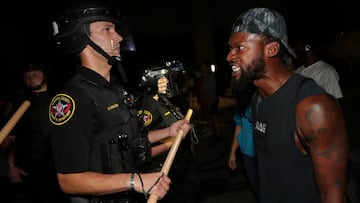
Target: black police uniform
{"points": [[161, 113], [156, 113], [33, 150], [95, 129]]}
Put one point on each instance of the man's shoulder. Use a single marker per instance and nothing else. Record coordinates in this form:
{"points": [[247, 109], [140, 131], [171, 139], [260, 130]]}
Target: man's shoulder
{"points": [[299, 69], [324, 65], [326, 69]]}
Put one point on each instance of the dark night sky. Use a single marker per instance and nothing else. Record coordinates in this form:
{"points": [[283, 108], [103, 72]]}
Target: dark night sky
{"points": [[161, 28]]}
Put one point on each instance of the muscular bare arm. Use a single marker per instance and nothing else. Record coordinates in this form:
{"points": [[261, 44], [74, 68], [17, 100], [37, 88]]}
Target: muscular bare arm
{"points": [[321, 123]]}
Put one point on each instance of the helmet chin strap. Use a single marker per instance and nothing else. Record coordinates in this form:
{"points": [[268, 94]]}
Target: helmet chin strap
{"points": [[112, 60], [37, 87]]}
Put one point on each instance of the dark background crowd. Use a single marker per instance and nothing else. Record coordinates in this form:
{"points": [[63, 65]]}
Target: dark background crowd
{"points": [[190, 31]]}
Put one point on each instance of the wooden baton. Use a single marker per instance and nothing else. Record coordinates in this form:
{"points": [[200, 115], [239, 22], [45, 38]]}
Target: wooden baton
{"points": [[13, 120], [171, 155]]}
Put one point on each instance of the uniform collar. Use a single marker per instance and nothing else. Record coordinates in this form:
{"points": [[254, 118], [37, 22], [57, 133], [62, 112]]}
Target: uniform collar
{"points": [[93, 76]]}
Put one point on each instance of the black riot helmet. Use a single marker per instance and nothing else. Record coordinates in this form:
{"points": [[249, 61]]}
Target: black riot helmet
{"points": [[71, 27], [71, 30]]}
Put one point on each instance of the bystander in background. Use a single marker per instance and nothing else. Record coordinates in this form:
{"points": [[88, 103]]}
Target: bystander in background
{"points": [[243, 139], [313, 66], [30, 159], [207, 97]]}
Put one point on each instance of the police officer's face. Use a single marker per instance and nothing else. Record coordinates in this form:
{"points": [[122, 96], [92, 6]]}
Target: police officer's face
{"points": [[34, 78], [103, 34]]}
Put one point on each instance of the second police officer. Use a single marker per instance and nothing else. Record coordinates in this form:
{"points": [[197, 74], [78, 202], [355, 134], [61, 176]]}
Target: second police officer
{"points": [[157, 111]]}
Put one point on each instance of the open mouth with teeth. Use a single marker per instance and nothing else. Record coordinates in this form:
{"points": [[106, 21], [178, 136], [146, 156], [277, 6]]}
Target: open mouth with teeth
{"points": [[235, 68]]}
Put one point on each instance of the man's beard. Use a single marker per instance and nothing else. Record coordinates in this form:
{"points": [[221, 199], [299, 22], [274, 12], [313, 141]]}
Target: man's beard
{"points": [[254, 71]]}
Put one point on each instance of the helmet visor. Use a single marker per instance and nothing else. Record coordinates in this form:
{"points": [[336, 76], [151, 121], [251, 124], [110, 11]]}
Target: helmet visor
{"points": [[127, 44]]}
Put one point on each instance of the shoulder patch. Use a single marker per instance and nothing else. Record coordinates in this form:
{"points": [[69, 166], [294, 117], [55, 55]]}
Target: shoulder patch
{"points": [[146, 116], [62, 108]]}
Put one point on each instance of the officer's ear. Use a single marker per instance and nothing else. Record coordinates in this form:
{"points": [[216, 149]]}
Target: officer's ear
{"points": [[307, 47]]}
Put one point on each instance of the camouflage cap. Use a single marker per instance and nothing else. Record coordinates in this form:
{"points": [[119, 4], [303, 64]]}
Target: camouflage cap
{"points": [[263, 21]]}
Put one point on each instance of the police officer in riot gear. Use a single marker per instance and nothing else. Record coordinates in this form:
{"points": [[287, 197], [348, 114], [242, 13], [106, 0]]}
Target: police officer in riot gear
{"points": [[151, 108], [31, 167], [156, 111], [97, 143]]}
